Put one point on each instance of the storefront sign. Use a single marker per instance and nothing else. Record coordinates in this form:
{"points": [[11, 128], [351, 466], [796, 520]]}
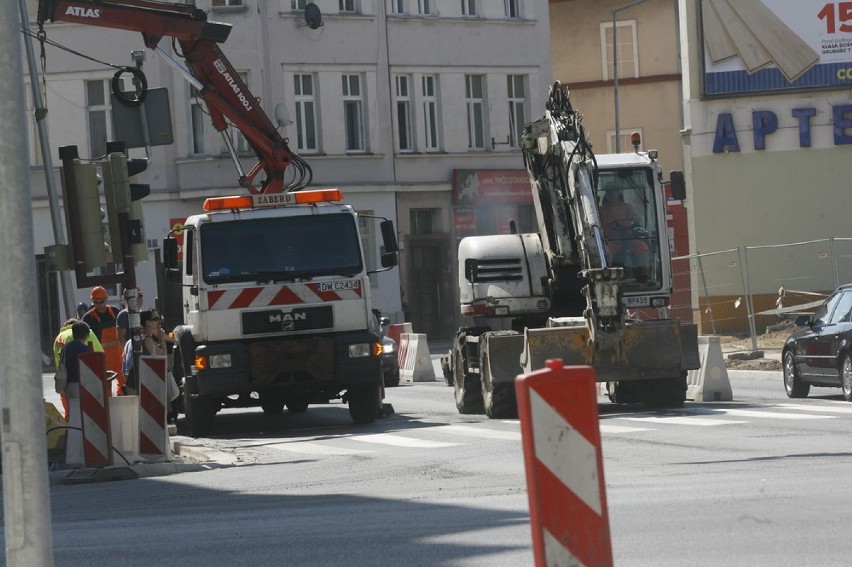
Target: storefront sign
{"points": [[473, 186]]}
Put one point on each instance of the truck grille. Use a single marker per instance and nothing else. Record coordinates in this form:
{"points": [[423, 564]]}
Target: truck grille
{"points": [[498, 269], [288, 320]]}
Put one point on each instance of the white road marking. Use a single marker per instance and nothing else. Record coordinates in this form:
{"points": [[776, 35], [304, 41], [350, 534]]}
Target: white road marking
{"points": [[400, 441], [606, 428], [841, 407], [310, 448], [480, 432], [683, 420], [772, 414]]}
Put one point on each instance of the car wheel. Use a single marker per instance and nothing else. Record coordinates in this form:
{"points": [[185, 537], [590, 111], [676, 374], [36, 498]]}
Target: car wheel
{"points": [[392, 379], [846, 378], [793, 383]]}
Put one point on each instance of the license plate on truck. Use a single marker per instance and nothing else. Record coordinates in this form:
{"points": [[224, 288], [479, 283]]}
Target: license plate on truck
{"points": [[339, 286], [637, 301]]}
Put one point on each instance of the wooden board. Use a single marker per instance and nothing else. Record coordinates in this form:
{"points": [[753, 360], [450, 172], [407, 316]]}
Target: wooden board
{"points": [[748, 47], [788, 51], [719, 45]]}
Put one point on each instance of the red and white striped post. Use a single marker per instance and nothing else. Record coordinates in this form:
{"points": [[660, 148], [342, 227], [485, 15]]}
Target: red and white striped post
{"points": [[94, 409], [153, 430], [558, 410]]}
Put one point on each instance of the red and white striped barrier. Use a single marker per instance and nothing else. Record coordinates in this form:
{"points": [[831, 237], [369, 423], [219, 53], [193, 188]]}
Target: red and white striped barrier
{"points": [[396, 330], [94, 410], [558, 410], [153, 429], [415, 360]]}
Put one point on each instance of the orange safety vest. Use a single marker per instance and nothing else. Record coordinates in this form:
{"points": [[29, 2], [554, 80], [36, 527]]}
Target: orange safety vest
{"points": [[113, 349]]}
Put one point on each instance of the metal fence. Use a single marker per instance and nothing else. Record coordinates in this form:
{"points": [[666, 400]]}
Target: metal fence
{"points": [[752, 290]]}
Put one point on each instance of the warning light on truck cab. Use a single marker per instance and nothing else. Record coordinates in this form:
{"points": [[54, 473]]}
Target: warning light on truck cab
{"points": [[272, 200]]}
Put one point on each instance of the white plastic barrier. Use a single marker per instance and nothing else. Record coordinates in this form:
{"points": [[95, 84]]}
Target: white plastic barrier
{"points": [[124, 421], [710, 382], [416, 360]]}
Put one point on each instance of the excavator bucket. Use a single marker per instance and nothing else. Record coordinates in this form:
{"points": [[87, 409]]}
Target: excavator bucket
{"points": [[648, 350]]}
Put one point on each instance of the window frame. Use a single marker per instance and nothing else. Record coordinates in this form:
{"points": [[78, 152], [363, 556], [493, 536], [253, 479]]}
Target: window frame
{"points": [[468, 8], [403, 114], [606, 50], [300, 100], [516, 104], [103, 110], [512, 9], [476, 119], [353, 108], [431, 113], [196, 122]]}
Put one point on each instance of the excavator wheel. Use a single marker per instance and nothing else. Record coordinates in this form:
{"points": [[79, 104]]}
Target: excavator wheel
{"points": [[664, 393], [467, 388]]}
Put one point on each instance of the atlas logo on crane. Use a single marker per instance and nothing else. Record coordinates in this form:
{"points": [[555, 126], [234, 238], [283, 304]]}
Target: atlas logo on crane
{"points": [[81, 12], [223, 70]]}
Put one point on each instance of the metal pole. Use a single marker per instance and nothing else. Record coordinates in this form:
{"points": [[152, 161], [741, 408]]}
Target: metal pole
{"points": [[615, 70], [26, 502], [706, 294], [52, 197], [743, 253]]}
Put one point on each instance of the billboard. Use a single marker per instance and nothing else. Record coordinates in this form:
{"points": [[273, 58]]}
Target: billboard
{"points": [[760, 46]]}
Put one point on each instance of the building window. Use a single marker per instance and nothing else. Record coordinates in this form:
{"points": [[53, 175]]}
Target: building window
{"points": [[424, 7], [513, 8], [517, 103], [430, 113], [403, 113], [425, 221], [348, 6], [99, 116], [475, 121], [628, 60], [468, 7], [623, 139], [353, 113], [298, 4], [397, 7], [196, 116], [227, 3], [306, 118]]}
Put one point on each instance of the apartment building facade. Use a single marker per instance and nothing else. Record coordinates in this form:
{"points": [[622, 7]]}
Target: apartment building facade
{"points": [[403, 104]]}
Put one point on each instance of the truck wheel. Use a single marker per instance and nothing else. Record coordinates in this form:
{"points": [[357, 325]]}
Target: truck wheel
{"points": [[200, 414], [297, 404], [365, 403], [272, 403], [467, 388]]}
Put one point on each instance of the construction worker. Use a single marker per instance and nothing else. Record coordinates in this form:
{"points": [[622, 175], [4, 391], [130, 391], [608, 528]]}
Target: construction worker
{"points": [[102, 320], [65, 335], [620, 224], [123, 324]]}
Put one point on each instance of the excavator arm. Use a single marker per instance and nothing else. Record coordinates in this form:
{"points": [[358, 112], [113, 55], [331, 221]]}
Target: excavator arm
{"points": [[227, 97], [563, 174]]}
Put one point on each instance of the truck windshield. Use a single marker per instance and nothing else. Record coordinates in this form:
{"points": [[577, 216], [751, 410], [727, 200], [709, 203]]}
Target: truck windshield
{"points": [[630, 225], [280, 249]]}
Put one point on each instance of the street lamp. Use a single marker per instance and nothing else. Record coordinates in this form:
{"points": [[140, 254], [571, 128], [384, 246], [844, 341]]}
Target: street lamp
{"points": [[615, 69]]}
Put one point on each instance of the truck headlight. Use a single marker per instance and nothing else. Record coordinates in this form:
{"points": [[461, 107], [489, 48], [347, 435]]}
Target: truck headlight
{"points": [[220, 361], [388, 348], [360, 350]]}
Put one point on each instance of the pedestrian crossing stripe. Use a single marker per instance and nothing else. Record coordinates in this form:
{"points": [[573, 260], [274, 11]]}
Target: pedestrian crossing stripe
{"points": [[772, 414], [313, 448], [400, 441], [841, 407], [684, 420]]}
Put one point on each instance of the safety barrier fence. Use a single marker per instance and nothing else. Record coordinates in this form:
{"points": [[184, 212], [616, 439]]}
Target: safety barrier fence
{"points": [[753, 292]]}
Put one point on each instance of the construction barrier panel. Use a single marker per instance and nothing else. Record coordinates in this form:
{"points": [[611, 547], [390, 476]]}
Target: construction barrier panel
{"points": [[124, 421], [709, 383], [558, 410], [94, 390], [396, 330], [416, 364], [153, 428]]}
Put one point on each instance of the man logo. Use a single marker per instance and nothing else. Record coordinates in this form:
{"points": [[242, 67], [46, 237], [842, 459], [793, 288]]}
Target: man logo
{"points": [[287, 320]]}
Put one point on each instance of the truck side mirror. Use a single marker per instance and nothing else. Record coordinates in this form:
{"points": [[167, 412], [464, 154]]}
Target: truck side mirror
{"points": [[389, 257], [678, 186], [170, 259]]}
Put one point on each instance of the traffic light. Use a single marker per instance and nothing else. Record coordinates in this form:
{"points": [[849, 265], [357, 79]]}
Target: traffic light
{"points": [[93, 253], [122, 196]]}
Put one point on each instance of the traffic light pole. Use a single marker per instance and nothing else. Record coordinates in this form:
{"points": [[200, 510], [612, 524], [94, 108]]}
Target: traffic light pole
{"points": [[26, 495]]}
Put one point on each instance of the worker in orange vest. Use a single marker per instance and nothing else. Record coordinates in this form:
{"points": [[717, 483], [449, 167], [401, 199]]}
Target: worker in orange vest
{"points": [[102, 320]]}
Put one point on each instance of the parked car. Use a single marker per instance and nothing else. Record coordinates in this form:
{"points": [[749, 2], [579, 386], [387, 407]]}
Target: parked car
{"points": [[390, 362], [819, 353]]}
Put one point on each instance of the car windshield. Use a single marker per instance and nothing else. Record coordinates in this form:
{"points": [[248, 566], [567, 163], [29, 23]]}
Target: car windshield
{"points": [[280, 249]]}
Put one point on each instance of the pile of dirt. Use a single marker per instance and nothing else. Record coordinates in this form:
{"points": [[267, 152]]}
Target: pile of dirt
{"points": [[738, 351]]}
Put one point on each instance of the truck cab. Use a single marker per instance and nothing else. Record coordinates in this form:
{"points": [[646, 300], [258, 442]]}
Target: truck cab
{"points": [[276, 307]]}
